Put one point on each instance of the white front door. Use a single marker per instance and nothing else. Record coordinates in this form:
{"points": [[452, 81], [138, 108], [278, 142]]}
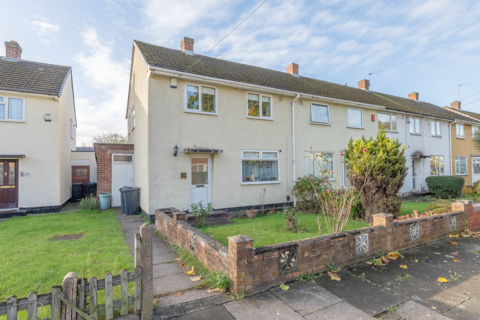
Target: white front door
{"points": [[475, 169], [200, 182], [122, 176]]}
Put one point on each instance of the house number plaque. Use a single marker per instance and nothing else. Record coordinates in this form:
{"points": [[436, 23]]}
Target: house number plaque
{"points": [[183, 175]]}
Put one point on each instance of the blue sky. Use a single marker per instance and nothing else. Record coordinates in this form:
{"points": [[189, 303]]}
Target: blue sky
{"points": [[424, 46]]}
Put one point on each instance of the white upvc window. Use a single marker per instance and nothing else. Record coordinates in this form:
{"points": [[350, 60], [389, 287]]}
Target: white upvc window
{"points": [[201, 99], [355, 118], [474, 131], [315, 166], [414, 125], [435, 128], [259, 106], [476, 165], [71, 128], [260, 167], [460, 131], [437, 165], [387, 121], [133, 117], [12, 109], [319, 113], [461, 166]]}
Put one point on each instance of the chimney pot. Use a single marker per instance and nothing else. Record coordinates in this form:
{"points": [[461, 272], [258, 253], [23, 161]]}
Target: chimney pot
{"points": [[456, 104], [413, 96], [292, 69], [13, 49], [187, 45], [364, 84]]}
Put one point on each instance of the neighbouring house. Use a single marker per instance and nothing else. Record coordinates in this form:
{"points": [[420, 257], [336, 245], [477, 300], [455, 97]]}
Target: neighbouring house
{"points": [[465, 156], [211, 130], [38, 129], [84, 165]]}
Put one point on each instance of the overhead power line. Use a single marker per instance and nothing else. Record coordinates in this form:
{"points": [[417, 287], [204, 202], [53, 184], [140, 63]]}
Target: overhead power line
{"points": [[238, 25], [471, 95], [470, 103]]}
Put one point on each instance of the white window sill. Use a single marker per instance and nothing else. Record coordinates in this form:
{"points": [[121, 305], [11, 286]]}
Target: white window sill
{"points": [[11, 120], [435, 136], [460, 137], [392, 131], [463, 174], [415, 134], [321, 123], [257, 183], [352, 127], [199, 112], [259, 118]]}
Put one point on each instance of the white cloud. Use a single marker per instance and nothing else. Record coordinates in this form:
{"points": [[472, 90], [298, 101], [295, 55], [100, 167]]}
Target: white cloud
{"points": [[104, 110], [45, 28]]}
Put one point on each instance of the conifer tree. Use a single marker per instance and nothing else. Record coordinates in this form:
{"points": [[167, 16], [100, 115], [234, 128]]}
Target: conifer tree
{"points": [[380, 165]]}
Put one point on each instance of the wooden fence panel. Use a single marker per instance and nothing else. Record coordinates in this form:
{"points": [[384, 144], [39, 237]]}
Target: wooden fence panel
{"points": [[93, 297], [137, 306], [56, 308], [138, 250], [32, 306], [108, 296], [81, 294], [12, 308], [124, 292]]}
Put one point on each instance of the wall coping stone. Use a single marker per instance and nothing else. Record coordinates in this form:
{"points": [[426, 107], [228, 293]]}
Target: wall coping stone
{"points": [[241, 238], [465, 202]]}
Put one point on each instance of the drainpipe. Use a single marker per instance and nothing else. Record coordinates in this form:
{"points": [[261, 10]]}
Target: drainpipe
{"points": [[293, 145], [452, 164]]}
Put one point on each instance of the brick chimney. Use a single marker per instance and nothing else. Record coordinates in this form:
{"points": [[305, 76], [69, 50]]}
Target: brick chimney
{"points": [[364, 84], [13, 49], [187, 45], [292, 69], [456, 104], [413, 96]]}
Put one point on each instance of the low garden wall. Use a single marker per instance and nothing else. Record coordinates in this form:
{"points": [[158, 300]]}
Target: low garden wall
{"points": [[253, 270]]}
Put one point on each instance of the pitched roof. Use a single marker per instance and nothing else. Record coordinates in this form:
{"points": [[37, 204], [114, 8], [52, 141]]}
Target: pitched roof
{"points": [[166, 58], [468, 113], [32, 77]]}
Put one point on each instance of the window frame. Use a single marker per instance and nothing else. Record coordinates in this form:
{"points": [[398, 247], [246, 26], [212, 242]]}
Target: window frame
{"points": [[439, 123], [311, 113], [71, 129], [439, 161], [132, 115], [456, 130], [5, 99], [259, 159], [199, 111], [390, 115], [361, 118], [466, 166], [414, 127], [474, 160], [307, 153], [474, 129], [260, 95]]}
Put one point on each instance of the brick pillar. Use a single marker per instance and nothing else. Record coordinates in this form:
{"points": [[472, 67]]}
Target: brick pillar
{"points": [[385, 219], [180, 215], [240, 253], [472, 220]]}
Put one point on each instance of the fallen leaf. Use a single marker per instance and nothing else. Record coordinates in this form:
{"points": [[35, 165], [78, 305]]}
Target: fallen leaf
{"points": [[403, 266], [454, 253], [182, 265], [214, 290], [333, 276], [178, 294], [178, 259], [191, 272], [456, 260], [196, 278], [393, 255], [369, 262], [155, 300], [453, 243], [443, 280], [284, 287], [416, 260]]}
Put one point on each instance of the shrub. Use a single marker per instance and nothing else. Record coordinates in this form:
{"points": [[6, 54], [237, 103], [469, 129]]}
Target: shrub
{"points": [[445, 187], [468, 190], [358, 212], [291, 220], [88, 203], [200, 213], [304, 191], [475, 184]]}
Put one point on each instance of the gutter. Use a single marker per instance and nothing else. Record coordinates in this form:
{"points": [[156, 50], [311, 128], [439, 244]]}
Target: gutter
{"points": [[293, 146], [27, 93], [452, 163]]}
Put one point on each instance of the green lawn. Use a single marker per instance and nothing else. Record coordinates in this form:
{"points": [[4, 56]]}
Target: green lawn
{"points": [[30, 260], [408, 207], [270, 229]]}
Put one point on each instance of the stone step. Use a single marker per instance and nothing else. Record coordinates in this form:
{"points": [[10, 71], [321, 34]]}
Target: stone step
{"points": [[13, 213]]}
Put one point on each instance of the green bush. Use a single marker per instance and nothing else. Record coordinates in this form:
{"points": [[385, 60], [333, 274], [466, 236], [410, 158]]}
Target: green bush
{"points": [[445, 187], [88, 203], [358, 212], [303, 190]]}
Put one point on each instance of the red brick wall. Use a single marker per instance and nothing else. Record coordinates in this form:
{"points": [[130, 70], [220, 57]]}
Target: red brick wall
{"points": [[103, 152], [256, 269], [474, 217]]}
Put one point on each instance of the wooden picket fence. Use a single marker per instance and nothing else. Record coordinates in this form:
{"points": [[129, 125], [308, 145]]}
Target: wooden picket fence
{"points": [[77, 298]]}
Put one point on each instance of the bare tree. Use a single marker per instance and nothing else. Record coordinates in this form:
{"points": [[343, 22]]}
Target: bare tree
{"points": [[110, 138]]}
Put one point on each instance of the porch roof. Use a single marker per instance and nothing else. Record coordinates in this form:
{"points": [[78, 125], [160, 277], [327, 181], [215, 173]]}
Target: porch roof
{"points": [[12, 156]]}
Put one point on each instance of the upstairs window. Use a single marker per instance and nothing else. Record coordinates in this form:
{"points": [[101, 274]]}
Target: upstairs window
{"points": [[319, 113], [259, 106], [133, 117], [71, 128], [355, 118], [12, 109], [387, 121], [474, 131], [460, 131], [436, 165], [259, 167], [201, 99], [414, 125], [435, 127], [318, 165]]}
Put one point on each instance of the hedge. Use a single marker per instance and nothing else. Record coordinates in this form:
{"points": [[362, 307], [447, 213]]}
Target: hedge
{"points": [[445, 187]]}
